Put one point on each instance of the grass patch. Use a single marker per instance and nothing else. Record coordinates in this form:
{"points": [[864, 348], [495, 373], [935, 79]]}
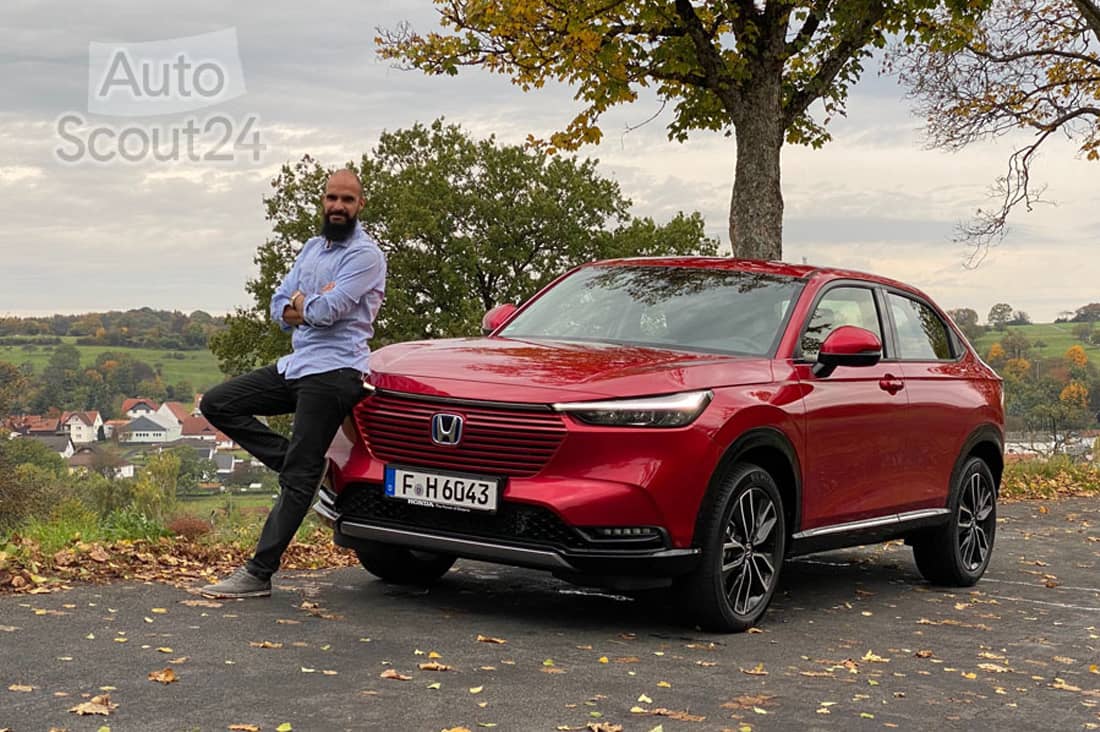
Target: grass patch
{"points": [[1058, 477], [198, 367], [1057, 339]]}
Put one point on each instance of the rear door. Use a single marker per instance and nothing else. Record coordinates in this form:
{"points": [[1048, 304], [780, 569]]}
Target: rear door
{"points": [[856, 418], [945, 398]]}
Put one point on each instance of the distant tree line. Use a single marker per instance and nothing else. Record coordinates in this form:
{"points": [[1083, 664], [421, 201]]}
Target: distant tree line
{"points": [[64, 384], [140, 328]]}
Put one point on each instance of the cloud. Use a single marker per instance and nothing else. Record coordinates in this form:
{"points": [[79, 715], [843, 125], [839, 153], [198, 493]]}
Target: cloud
{"points": [[182, 236]]}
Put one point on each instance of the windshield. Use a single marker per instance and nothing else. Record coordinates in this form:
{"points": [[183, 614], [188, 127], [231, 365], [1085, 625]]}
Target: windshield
{"points": [[724, 311]]}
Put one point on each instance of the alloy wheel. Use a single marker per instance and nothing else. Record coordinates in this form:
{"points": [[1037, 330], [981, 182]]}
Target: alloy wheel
{"points": [[750, 551], [976, 519]]}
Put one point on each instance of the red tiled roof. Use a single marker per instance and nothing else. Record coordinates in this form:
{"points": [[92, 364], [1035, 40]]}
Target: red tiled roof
{"points": [[179, 411], [87, 418], [132, 402], [195, 426]]}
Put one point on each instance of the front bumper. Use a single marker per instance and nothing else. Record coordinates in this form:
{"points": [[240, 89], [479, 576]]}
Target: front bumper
{"points": [[519, 535]]}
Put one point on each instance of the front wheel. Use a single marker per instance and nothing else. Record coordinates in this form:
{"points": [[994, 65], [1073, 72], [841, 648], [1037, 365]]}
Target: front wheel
{"points": [[403, 566], [743, 538], [957, 554]]}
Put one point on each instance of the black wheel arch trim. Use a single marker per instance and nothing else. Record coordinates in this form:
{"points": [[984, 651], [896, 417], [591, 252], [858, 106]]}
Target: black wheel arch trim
{"points": [[767, 437], [983, 434]]}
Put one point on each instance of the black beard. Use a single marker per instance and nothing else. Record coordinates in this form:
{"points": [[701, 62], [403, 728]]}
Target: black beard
{"points": [[337, 232]]}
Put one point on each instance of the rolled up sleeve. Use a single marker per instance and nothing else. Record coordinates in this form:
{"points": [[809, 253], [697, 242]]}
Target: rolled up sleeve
{"points": [[361, 271], [281, 298]]}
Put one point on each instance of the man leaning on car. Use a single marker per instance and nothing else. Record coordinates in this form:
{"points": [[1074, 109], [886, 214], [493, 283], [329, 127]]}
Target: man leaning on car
{"points": [[329, 301]]}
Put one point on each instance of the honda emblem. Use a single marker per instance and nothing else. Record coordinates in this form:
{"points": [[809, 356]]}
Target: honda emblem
{"points": [[446, 429]]}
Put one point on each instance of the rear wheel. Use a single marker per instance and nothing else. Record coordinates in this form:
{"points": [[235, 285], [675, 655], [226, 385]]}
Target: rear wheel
{"points": [[958, 553], [743, 538], [403, 566]]}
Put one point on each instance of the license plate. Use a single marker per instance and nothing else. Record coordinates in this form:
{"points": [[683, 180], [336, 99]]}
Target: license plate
{"points": [[447, 490]]}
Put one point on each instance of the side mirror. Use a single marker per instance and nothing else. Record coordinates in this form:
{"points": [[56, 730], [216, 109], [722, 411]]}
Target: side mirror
{"points": [[847, 346], [497, 317]]}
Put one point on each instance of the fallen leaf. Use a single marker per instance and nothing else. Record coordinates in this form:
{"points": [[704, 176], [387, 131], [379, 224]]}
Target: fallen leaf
{"points": [[706, 664], [490, 639], [178, 661], [604, 727], [329, 672], [203, 603], [924, 654], [1063, 686], [476, 689], [265, 644], [757, 670], [664, 684], [1094, 669], [164, 649], [548, 662], [457, 729], [101, 705], [604, 659], [284, 727], [165, 676], [680, 715], [244, 728], [20, 687], [871, 657], [434, 685], [160, 611], [394, 674], [434, 666], [994, 668]]}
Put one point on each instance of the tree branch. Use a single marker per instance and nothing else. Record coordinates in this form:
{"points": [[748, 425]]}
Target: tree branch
{"points": [[827, 72], [709, 58], [1037, 53], [806, 32], [1091, 13]]}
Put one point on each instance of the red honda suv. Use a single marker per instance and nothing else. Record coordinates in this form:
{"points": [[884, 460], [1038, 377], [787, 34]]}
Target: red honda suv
{"points": [[686, 422]]}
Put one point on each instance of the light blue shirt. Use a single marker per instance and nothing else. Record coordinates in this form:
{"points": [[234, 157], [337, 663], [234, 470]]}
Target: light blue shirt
{"points": [[338, 323]]}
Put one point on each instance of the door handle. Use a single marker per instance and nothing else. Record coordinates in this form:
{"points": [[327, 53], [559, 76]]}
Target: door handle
{"points": [[891, 384]]}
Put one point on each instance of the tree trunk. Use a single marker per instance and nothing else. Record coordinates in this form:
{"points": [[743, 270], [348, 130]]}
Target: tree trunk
{"points": [[756, 207]]}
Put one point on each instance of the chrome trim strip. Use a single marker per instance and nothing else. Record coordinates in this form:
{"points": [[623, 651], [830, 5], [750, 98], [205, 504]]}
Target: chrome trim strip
{"points": [[496, 552], [896, 518], [325, 511], [508, 406]]}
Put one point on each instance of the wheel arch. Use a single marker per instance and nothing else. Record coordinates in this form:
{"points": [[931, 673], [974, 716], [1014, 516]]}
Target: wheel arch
{"points": [[772, 450], [985, 442]]}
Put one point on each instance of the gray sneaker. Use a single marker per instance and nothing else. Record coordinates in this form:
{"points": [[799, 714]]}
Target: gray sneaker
{"points": [[241, 583]]}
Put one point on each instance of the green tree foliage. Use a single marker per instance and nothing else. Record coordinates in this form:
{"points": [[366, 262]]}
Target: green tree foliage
{"points": [[1087, 313], [193, 469], [465, 224], [967, 320], [155, 486], [140, 328], [755, 67], [13, 382], [999, 315]]}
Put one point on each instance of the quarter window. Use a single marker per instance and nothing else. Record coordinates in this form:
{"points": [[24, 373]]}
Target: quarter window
{"points": [[840, 306], [922, 335]]}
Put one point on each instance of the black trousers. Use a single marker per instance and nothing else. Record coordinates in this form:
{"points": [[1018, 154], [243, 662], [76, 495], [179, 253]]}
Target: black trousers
{"points": [[320, 403]]}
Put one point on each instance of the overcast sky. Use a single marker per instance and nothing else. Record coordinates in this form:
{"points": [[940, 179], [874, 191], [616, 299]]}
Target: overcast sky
{"points": [[82, 236]]}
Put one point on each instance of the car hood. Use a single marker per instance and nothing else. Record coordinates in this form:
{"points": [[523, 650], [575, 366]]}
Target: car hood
{"points": [[502, 369]]}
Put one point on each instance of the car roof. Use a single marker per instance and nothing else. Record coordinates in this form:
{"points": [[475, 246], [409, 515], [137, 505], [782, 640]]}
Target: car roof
{"points": [[798, 271]]}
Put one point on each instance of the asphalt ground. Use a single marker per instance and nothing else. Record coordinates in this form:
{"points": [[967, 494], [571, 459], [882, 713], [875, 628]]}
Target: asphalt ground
{"points": [[853, 640]]}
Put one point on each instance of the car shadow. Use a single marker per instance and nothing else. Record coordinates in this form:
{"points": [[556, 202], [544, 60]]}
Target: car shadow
{"points": [[483, 592]]}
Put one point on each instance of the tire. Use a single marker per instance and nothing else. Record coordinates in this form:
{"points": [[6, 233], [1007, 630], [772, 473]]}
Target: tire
{"points": [[403, 566], [957, 554], [739, 570]]}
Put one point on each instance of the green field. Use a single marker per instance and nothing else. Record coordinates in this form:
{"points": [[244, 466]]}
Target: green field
{"points": [[198, 367], [1057, 339]]}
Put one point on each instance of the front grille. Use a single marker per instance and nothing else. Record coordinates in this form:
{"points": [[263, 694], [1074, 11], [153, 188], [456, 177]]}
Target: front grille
{"points": [[512, 523], [502, 441]]}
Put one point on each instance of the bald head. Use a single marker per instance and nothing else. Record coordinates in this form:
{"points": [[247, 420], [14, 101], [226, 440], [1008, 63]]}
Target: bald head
{"points": [[342, 203], [345, 176]]}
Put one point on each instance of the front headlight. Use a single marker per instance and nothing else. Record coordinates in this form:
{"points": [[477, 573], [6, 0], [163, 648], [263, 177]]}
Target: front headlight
{"points": [[674, 410]]}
